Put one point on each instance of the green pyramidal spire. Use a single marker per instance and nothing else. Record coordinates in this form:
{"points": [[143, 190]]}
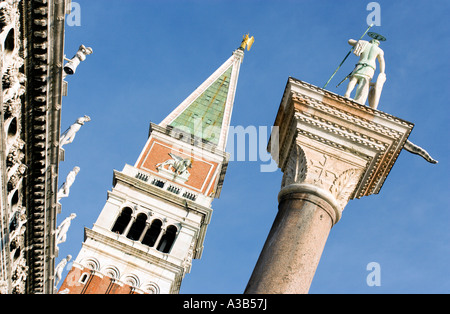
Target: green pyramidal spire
{"points": [[203, 118], [206, 113]]}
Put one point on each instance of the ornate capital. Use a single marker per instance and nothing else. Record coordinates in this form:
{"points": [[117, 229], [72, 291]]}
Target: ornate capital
{"points": [[324, 170], [335, 144]]}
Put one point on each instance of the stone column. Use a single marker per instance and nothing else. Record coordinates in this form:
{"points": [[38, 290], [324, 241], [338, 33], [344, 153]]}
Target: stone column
{"points": [[144, 232], [293, 248], [330, 150]]}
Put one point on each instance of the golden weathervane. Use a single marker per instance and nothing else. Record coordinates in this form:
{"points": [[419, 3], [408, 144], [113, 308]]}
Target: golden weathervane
{"points": [[247, 42]]}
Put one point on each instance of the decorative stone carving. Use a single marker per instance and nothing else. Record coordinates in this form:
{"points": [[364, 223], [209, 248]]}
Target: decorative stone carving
{"points": [[176, 168], [15, 86], [17, 225], [5, 14], [13, 108], [343, 187], [321, 170], [16, 177], [18, 276], [151, 288], [3, 287], [15, 154], [296, 167]]}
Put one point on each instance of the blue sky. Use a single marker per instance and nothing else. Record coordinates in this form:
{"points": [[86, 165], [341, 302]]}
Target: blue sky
{"points": [[150, 55]]}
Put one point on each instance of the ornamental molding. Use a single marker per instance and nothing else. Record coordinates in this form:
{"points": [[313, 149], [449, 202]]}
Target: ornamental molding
{"points": [[349, 117]]}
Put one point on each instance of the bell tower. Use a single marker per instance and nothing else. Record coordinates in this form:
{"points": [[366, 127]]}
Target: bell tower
{"points": [[155, 218]]}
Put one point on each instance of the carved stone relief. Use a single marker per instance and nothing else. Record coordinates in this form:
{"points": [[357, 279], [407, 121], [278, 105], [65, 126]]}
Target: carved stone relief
{"points": [[344, 186], [296, 167], [328, 172], [13, 86]]}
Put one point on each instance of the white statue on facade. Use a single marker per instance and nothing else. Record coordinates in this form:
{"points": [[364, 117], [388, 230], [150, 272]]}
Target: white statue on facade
{"points": [[364, 71], [70, 179], [61, 232], [60, 268], [71, 66], [177, 166], [69, 135]]}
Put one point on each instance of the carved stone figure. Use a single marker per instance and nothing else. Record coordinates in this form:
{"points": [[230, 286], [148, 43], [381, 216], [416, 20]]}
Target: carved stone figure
{"points": [[178, 166], [69, 135], [5, 14], [18, 276], [61, 232], [70, 179], [15, 154], [365, 70], [60, 268], [16, 87], [3, 287], [16, 177]]}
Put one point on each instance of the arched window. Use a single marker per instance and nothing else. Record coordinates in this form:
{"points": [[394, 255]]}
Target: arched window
{"points": [[84, 278], [137, 228], [12, 129], [167, 239], [152, 233], [9, 43], [122, 221]]}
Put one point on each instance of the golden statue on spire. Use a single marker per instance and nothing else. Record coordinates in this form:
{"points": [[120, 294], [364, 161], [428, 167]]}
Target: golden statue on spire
{"points": [[247, 42]]}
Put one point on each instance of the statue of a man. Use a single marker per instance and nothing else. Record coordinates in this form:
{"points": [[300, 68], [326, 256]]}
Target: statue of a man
{"points": [[70, 179], [68, 136], [61, 232], [365, 70], [60, 268]]}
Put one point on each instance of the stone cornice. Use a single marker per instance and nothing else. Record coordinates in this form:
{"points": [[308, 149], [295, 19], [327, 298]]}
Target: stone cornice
{"points": [[43, 31]]}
